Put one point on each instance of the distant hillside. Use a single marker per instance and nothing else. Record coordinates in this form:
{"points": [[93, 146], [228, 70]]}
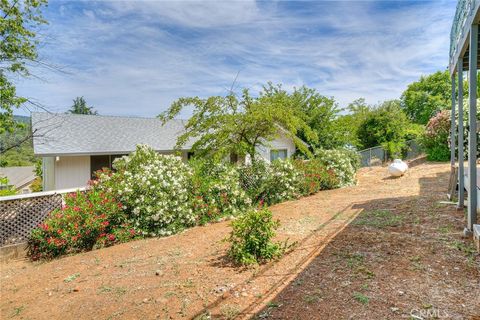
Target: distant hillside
{"points": [[22, 119], [21, 155]]}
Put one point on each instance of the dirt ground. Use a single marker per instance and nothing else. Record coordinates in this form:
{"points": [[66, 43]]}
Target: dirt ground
{"points": [[384, 249]]}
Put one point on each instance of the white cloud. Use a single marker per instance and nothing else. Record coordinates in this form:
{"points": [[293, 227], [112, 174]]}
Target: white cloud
{"points": [[198, 14], [137, 57]]}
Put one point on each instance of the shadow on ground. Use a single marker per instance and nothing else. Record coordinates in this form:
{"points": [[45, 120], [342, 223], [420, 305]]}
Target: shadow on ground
{"points": [[400, 257]]}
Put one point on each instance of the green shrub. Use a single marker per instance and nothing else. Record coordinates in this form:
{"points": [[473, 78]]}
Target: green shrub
{"points": [[271, 183], [7, 189], [251, 238], [386, 125], [37, 185], [90, 219], [438, 153], [315, 176], [155, 190], [436, 136], [254, 179], [342, 163], [217, 192]]}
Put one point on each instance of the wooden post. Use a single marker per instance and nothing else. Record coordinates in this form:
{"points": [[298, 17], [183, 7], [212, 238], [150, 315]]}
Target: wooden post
{"points": [[472, 133], [461, 170]]}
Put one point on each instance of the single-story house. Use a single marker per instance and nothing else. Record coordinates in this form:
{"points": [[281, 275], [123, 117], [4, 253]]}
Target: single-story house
{"points": [[73, 146]]}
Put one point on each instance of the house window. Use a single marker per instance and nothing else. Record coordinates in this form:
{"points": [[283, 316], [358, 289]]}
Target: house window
{"points": [[278, 154], [100, 162]]}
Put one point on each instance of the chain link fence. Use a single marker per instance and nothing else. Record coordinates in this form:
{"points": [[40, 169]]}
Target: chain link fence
{"points": [[377, 156]]}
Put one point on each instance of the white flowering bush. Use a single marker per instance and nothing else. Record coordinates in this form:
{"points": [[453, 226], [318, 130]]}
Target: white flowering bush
{"points": [[271, 183], [343, 163], [162, 195], [217, 191], [154, 189], [283, 182]]}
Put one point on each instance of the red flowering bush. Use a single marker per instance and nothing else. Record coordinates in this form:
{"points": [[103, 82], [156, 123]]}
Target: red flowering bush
{"points": [[438, 124], [88, 220], [316, 177], [436, 137]]}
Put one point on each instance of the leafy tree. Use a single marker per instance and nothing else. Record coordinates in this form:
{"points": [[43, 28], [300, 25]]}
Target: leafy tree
{"points": [[388, 126], [425, 97], [349, 124], [319, 113], [19, 20], [231, 124], [16, 147], [429, 95], [21, 155], [80, 107], [359, 107]]}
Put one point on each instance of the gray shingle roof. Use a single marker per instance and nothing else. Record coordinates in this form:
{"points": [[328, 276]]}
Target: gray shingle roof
{"points": [[18, 176], [68, 134]]}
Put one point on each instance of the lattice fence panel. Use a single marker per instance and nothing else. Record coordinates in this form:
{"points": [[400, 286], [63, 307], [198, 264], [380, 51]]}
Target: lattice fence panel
{"points": [[18, 217]]}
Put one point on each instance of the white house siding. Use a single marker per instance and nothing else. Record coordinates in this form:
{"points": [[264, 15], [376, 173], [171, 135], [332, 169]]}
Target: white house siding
{"points": [[48, 172], [66, 172], [281, 142], [71, 171]]}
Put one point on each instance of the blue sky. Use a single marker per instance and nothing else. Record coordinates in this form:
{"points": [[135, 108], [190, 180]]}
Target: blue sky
{"points": [[136, 57]]}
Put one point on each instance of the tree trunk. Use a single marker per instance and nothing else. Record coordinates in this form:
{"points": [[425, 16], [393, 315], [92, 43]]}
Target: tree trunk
{"points": [[252, 156]]}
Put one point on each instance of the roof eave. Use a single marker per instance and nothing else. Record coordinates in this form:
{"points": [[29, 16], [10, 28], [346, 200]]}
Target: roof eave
{"points": [[98, 153]]}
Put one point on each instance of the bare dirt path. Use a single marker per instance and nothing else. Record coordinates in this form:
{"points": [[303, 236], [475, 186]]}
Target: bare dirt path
{"points": [[382, 249]]}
